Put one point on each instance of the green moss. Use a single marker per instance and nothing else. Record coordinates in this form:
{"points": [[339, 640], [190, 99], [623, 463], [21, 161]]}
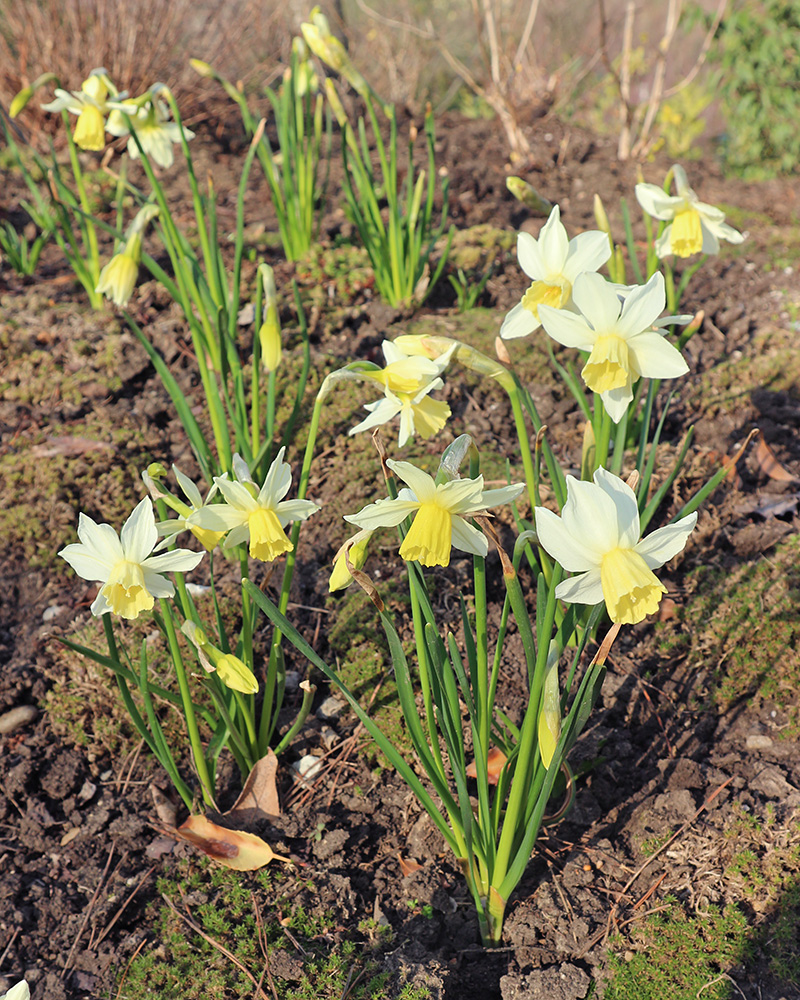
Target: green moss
{"points": [[745, 623], [679, 956], [246, 913]]}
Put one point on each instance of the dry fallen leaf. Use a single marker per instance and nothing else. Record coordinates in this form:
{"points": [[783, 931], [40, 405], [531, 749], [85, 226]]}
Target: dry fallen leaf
{"points": [[166, 810], [244, 852], [408, 867], [769, 464], [495, 762], [259, 798]]}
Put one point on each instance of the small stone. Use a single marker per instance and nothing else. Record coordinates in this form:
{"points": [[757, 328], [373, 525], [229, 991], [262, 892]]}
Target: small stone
{"points": [[293, 678], [87, 791], [308, 767], [52, 612], [17, 717], [331, 708], [755, 741]]}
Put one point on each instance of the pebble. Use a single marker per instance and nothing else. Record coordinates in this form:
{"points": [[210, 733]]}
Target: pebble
{"points": [[331, 708], [755, 741], [308, 767], [17, 717], [52, 612], [292, 680]]}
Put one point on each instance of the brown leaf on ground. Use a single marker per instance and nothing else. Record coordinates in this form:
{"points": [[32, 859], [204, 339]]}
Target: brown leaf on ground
{"points": [[769, 464], [244, 852], [408, 867], [67, 445], [259, 798]]}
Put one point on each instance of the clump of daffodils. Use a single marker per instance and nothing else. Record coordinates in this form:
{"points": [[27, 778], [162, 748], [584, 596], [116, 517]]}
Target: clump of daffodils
{"points": [[407, 382], [131, 576], [253, 514], [440, 511], [597, 537], [621, 334], [553, 263], [694, 227], [156, 132]]}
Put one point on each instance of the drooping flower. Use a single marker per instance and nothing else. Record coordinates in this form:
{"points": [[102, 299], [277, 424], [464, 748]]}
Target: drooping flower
{"points": [[694, 227], [407, 381], [118, 278], [233, 672], [252, 514], [553, 263], [598, 537], [91, 104], [356, 549], [619, 334], [154, 128], [130, 574], [440, 512]]}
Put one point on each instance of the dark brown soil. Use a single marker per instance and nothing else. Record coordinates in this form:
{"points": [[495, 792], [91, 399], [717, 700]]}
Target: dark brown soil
{"points": [[80, 850]]}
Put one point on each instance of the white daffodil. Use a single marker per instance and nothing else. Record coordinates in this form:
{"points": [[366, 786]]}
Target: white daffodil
{"points": [[123, 563], [407, 381], [155, 130], [440, 513], [598, 537], [619, 334], [553, 263], [694, 227], [91, 104], [257, 515], [19, 992]]}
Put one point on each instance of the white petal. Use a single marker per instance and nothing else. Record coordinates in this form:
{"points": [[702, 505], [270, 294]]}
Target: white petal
{"points": [[591, 517], [722, 231], [467, 538], [642, 307], [100, 605], [519, 322], [656, 202], [100, 540], [177, 561], [553, 244], [503, 495], [406, 426], [587, 252], [597, 300], [567, 328], [236, 536], [190, 491], [583, 589], [219, 517], [681, 181], [242, 470], [295, 510], [563, 546], [277, 483], [86, 563], [626, 506], [663, 243], [661, 545], [461, 496], [420, 482], [381, 412], [383, 514], [655, 357], [529, 255], [237, 495], [392, 353], [139, 534], [158, 586]]}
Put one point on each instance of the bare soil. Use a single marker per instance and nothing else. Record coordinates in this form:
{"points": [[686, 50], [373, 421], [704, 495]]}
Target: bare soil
{"points": [[83, 413]]}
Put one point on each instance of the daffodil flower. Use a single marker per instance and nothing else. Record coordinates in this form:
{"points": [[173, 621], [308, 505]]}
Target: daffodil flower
{"points": [[233, 672], [91, 105], [168, 529], [130, 574], [553, 263], [694, 227], [356, 549], [407, 381], [598, 537], [439, 512], [156, 132], [619, 334], [252, 514]]}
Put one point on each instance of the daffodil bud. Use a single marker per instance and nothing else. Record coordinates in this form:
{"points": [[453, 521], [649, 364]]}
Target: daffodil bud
{"points": [[336, 105], [233, 672], [19, 101], [600, 216], [528, 195], [203, 69], [269, 334], [550, 714], [356, 549]]}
